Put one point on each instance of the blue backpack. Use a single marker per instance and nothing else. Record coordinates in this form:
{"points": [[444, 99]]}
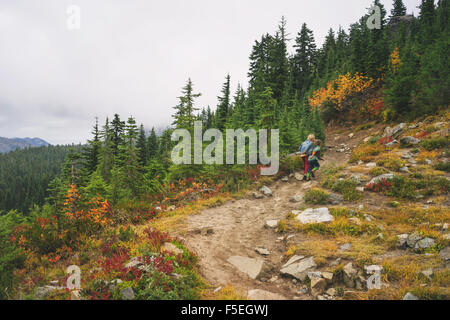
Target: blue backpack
{"points": [[306, 147]]}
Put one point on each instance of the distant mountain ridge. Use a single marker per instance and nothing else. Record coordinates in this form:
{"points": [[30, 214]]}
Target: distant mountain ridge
{"points": [[11, 144]]}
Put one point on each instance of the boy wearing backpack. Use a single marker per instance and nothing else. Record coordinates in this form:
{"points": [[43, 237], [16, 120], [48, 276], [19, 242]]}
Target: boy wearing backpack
{"points": [[313, 161], [306, 150]]}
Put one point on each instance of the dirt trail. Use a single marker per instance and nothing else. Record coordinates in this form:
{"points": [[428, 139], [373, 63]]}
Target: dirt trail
{"points": [[239, 228]]}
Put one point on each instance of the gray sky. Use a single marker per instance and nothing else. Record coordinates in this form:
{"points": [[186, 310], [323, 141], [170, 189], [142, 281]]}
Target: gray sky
{"points": [[132, 57]]}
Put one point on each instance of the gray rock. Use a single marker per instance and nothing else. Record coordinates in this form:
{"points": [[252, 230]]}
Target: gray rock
{"points": [[262, 251], [285, 179], [318, 286], [410, 296], [271, 224], [332, 292], [428, 273], [409, 141], [413, 239], [345, 247], [334, 198], [296, 199], [298, 177], [445, 254], [43, 292], [424, 243], [134, 263], [252, 267], [402, 240], [266, 191], [172, 248], [394, 132], [391, 144], [320, 215], [127, 294], [293, 260], [299, 270], [335, 262], [404, 169], [257, 195], [386, 177], [371, 165], [349, 274]]}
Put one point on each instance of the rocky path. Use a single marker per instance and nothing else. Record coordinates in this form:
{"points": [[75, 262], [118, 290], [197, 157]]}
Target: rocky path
{"points": [[227, 253]]}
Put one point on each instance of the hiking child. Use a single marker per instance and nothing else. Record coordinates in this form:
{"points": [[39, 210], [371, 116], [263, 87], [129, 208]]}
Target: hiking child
{"points": [[313, 161], [306, 150]]}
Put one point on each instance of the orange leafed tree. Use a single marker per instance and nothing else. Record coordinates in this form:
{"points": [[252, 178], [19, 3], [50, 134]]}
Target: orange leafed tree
{"points": [[338, 92]]}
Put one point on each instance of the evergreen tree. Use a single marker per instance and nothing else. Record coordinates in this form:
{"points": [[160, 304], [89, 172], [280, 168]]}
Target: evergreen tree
{"points": [[304, 59], [399, 9], [142, 147], [224, 105], [91, 152], [184, 112], [152, 144]]}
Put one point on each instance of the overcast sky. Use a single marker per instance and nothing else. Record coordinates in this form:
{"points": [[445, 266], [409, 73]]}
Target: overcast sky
{"points": [[132, 57]]}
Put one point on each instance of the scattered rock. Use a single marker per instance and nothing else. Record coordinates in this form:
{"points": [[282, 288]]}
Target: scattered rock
{"points": [[262, 251], [413, 239], [299, 270], [335, 199], [328, 276], [257, 195], [252, 267], [127, 294], [285, 179], [335, 262], [394, 132], [402, 240], [318, 286], [391, 144], [351, 135], [404, 169], [271, 224], [320, 215], [171, 248], [424, 243], [43, 292], [134, 263], [409, 141], [445, 254], [75, 295], [292, 260], [298, 177], [332, 292], [258, 294], [356, 221], [345, 247], [386, 177], [266, 191], [296, 199], [371, 165], [360, 189], [410, 296], [304, 290], [428, 273], [349, 274]]}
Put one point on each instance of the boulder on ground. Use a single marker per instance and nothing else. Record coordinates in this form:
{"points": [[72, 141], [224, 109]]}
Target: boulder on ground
{"points": [[127, 294], [409, 141], [254, 268], [266, 191], [320, 215], [318, 286], [271, 224], [410, 296], [171, 248], [299, 270], [424, 243]]}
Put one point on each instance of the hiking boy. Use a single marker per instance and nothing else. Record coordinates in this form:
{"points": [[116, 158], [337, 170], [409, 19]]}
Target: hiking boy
{"points": [[306, 150], [313, 161]]}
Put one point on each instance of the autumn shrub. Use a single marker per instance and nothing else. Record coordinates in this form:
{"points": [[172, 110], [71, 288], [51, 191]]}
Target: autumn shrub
{"points": [[378, 171], [366, 152], [316, 196], [347, 187], [436, 143], [402, 188], [391, 163]]}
